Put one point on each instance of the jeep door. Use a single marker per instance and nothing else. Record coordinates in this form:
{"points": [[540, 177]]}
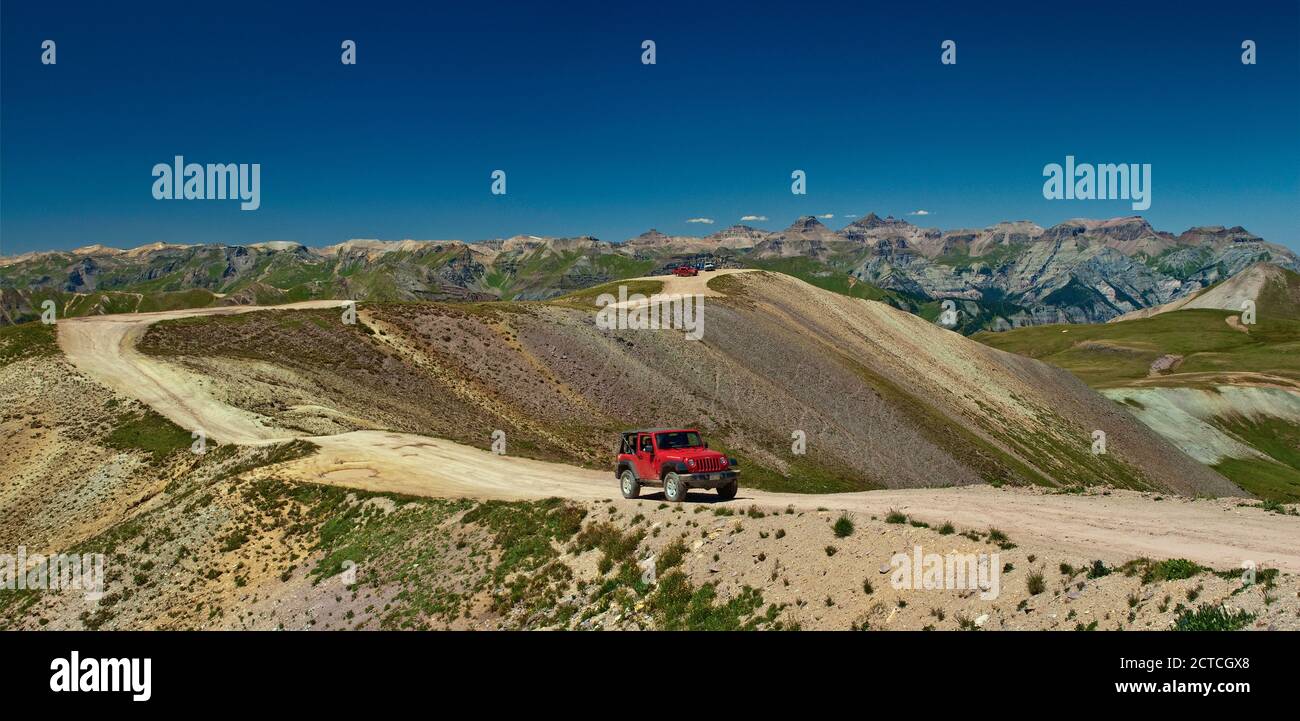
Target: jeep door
{"points": [[645, 466]]}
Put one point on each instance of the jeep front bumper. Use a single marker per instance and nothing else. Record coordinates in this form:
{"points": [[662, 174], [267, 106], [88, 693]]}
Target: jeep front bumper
{"points": [[709, 480]]}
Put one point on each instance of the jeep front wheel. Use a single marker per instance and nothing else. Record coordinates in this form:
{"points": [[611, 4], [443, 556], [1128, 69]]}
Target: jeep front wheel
{"points": [[674, 489], [728, 491], [630, 485]]}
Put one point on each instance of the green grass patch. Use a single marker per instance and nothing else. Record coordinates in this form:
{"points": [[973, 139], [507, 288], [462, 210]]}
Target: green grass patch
{"points": [[615, 546], [677, 605], [585, 299], [28, 340], [670, 557], [1173, 569], [524, 531], [149, 432], [1268, 480], [1273, 436], [1209, 617]]}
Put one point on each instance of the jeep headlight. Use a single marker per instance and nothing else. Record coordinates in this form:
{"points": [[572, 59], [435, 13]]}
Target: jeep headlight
{"points": [[690, 462], [724, 462]]}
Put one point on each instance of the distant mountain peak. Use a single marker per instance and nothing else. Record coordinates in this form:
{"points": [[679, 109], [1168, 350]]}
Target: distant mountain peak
{"points": [[872, 220], [806, 222]]}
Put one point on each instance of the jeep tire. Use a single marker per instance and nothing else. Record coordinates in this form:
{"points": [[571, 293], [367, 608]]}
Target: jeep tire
{"points": [[674, 489], [629, 484], [728, 492]]}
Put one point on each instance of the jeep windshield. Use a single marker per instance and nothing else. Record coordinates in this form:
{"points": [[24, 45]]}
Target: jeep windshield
{"points": [[678, 439]]}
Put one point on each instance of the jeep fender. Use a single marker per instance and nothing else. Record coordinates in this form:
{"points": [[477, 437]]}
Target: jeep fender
{"points": [[676, 466], [624, 466]]}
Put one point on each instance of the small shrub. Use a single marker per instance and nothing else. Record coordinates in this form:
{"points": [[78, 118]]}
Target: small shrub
{"points": [[1098, 570], [1035, 583], [672, 555], [1173, 569]]}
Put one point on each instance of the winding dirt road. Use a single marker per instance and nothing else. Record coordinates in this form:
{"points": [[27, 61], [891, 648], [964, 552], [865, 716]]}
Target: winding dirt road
{"points": [[1114, 527]]}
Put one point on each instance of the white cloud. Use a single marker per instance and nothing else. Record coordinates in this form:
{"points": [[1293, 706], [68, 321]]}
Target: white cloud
{"points": [[706, 221], [827, 216], [754, 217], [919, 212]]}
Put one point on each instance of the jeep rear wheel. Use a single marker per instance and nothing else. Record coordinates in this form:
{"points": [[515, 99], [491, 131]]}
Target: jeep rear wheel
{"points": [[674, 489], [630, 485], [728, 491]]}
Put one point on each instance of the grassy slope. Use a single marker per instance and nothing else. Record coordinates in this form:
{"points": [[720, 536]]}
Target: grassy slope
{"points": [[1279, 440], [585, 299], [1111, 354], [1116, 354], [28, 340], [543, 272]]}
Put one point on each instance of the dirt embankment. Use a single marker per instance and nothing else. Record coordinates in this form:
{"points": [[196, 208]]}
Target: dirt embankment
{"points": [[222, 550]]}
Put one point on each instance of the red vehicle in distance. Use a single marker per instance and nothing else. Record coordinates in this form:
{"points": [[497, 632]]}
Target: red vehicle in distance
{"points": [[686, 271], [677, 459]]}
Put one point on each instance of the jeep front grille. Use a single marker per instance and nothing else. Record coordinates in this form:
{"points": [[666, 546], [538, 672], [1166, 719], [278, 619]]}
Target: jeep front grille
{"points": [[708, 465]]}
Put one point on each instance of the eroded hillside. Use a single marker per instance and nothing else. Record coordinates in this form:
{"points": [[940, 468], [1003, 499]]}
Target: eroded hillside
{"points": [[884, 398]]}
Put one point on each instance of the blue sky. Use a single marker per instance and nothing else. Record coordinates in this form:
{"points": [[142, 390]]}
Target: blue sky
{"points": [[402, 144]]}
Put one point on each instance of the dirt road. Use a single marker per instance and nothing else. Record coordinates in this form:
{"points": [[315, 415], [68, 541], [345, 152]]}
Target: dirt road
{"points": [[1114, 527], [697, 285], [103, 347]]}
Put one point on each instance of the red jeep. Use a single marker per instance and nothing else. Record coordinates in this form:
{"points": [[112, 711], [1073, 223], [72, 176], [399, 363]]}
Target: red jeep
{"points": [[677, 459], [686, 271]]}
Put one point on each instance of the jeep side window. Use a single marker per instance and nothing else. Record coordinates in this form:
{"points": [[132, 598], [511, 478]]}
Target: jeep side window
{"points": [[646, 446]]}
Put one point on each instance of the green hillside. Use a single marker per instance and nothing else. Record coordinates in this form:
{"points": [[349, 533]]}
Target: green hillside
{"points": [[1216, 356]]}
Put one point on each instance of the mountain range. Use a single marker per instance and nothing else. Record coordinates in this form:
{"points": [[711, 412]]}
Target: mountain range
{"points": [[1007, 275]]}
